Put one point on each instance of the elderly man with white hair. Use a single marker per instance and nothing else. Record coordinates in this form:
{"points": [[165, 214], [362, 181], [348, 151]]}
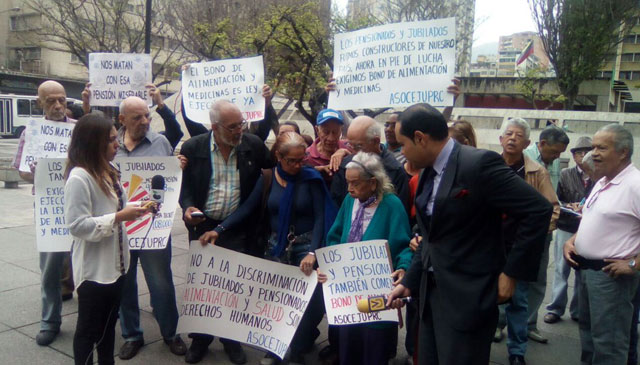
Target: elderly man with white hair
{"points": [[224, 165], [137, 140], [514, 139]]}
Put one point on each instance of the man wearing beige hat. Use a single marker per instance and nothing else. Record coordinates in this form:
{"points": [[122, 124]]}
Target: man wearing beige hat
{"points": [[574, 186]]}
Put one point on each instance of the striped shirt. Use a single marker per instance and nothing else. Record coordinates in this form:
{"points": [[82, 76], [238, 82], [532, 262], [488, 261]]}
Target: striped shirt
{"points": [[224, 187]]}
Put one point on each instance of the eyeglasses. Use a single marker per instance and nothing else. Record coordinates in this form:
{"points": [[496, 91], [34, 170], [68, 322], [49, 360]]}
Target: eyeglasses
{"points": [[234, 127], [295, 161]]}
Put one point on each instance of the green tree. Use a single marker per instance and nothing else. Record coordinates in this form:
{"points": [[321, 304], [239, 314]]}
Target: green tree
{"points": [[532, 88], [579, 34]]}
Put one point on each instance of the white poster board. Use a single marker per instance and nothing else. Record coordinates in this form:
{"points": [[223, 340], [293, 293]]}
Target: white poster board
{"points": [[395, 65], [243, 298], [116, 76], [238, 80], [52, 233], [355, 271], [44, 139], [147, 232]]}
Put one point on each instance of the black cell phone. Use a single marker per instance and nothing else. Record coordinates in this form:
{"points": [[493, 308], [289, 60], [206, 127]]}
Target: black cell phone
{"points": [[197, 215]]}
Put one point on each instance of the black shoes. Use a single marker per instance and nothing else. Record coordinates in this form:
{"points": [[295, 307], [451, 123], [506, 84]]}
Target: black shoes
{"points": [[235, 352], [44, 338], [551, 318], [195, 353], [176, 346], [130, 349]]}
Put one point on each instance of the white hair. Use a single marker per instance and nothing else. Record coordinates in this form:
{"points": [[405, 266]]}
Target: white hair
{"points": [[588, 161], [372, 132], [623, 139], [370, 165], [214, 111], [520, 123]]}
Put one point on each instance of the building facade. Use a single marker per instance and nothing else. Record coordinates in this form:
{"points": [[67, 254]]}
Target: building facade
{"points": [[509, 49]]}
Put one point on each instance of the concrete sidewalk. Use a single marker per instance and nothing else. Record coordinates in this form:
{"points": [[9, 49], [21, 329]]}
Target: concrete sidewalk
{"points": [[20, 301]]}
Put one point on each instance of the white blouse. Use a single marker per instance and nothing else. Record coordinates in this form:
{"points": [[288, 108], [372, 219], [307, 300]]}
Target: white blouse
{"points": [[91, 214]]}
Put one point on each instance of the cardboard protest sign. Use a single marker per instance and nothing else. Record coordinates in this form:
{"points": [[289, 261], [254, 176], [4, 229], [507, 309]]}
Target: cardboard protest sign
{"points": [[44, 139], [355, 271], [238, 80], [395, 65], [116, 76], [243, 298], [147, 232], [52, 233]]}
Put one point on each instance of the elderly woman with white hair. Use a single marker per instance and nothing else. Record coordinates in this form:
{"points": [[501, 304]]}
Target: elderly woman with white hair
{"points": [[371, 211]]}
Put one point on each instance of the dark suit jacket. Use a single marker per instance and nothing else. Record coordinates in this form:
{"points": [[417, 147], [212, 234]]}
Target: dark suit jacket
{"points": [[394, 170], [464, 243], [253, 156]]}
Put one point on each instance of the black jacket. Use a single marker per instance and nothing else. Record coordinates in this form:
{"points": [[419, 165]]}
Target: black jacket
{"points": [[253, 156], [464, 243]]}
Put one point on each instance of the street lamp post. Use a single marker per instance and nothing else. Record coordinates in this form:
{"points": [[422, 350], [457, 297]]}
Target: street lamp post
{"points": [[147, 28]]}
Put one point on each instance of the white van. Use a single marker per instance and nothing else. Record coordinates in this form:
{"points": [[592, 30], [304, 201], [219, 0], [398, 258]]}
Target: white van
{"points": [[17, 110]]}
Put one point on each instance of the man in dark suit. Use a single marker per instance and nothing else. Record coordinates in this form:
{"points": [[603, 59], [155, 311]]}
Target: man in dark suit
{"points": [[223, 168], [460, 269]]}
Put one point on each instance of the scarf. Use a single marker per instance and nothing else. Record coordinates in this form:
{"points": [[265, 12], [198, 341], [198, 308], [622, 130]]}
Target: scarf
{"points": [[355, 233], [307, 174]]}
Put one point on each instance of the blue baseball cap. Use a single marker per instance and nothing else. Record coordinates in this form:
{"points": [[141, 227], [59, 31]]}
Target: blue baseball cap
{"points": [[326, 115]]}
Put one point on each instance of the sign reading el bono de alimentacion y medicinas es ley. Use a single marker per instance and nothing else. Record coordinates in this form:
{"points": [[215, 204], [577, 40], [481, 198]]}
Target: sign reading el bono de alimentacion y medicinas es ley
{"points": [[395, 65]]}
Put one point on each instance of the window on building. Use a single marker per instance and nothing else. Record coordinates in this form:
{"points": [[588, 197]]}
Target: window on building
{"points": [[631, 38], [75, 59], [24, 22], [606, 74], [627, 57], [23, 107], [626, 75], [32, 53], [635, 75]]}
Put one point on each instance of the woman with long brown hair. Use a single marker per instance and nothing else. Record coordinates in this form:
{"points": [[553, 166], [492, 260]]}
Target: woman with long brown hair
{"points": [[94, 211]]}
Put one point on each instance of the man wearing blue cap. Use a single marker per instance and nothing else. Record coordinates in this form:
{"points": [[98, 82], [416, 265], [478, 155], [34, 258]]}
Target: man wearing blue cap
{"points": [[327, 151]]}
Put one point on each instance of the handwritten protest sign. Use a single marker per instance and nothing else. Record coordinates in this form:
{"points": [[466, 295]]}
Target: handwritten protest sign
{"points": [[44, 139], [238, 80], [395, 65], [355, 271], [116, 76], [52, 233], [148, 233], [243, 298]]}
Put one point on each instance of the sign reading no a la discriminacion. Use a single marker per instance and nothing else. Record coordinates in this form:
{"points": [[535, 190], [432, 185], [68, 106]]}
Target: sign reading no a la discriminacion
{"points": [[116, 76], [238, 80], [243, 298], [355, 271], [395, 65], [45, 139], [52, 232]]}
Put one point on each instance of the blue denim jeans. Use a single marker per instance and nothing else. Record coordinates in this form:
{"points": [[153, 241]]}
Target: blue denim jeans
{"points": [[156, 265], [516, 314], [606, 311], [562, 270], [51, 289], [538, 288]]}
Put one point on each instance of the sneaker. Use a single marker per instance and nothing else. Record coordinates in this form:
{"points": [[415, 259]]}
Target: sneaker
{"points": [[498, 336], [45, 338], [130, 349], [535, 335], [516, 360]]}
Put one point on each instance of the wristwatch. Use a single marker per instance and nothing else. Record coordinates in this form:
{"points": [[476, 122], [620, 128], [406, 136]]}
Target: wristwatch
{"points": [[632, 264]]}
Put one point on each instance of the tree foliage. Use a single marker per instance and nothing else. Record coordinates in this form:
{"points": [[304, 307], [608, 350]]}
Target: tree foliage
{"points": [[86, 26], [579, 34], [531, 87]]}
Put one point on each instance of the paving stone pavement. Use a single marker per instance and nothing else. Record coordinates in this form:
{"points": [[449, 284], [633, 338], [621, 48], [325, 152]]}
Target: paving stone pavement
{"points": [[20, 301]]}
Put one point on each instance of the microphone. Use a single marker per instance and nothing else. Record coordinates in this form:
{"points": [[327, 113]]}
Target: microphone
{"points": [[376, 304], [157, 189]]}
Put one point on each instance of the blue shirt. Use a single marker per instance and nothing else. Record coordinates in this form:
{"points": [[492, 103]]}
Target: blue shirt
{"points": [[553, 168]]}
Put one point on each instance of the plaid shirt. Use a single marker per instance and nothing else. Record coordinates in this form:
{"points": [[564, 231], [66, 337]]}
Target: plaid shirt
{"points": [[224, 187]]}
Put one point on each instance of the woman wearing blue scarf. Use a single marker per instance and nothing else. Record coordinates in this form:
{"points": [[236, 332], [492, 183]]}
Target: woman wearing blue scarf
{"points": [[371, 211], [300, 213]]}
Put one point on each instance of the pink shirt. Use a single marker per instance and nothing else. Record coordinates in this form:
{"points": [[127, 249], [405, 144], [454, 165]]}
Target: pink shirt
{"points": [[610, 226], [314, 158]]}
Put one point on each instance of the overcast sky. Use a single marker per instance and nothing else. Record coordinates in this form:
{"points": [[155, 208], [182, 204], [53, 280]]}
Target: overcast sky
{"points": [[501, 17]]}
